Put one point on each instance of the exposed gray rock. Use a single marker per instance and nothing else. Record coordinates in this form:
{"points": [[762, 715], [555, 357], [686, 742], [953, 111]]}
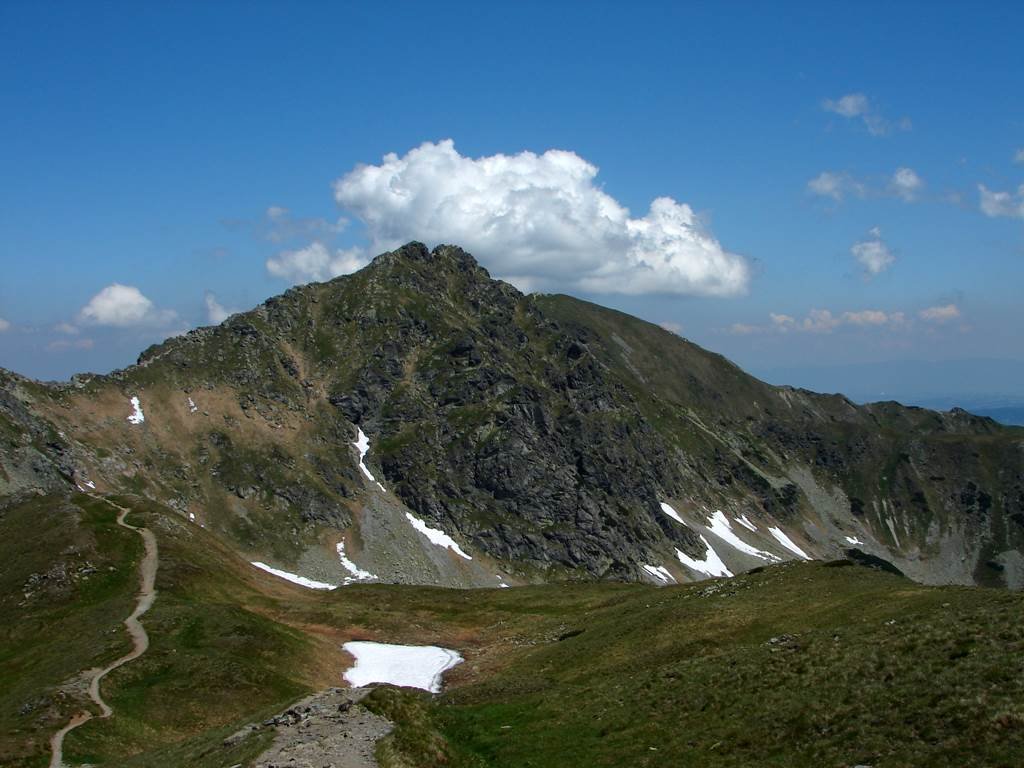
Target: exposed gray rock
{"points": [[329, 728]]}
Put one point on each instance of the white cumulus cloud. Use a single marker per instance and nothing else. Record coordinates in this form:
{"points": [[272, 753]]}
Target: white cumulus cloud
{"points": [[5, 325], [995, 204], [315, 262], [539, 221], [940, 314], [906, 184], [216, 312], [873, 254], [123, 306]]}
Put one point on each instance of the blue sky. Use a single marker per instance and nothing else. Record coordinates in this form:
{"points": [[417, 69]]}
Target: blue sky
{"points": [[191, 151]]}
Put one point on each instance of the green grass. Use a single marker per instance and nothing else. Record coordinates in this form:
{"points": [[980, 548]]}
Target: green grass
{"points": [[214, 662], [865, 669], [82, 565], [416, 742], [794, 665]]}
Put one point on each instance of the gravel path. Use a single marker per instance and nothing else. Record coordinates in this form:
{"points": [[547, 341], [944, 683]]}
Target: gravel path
{"points": [[329, 729], [140, 640]]}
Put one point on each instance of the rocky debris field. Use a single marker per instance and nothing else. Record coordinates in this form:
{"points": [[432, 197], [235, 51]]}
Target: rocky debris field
{"points": [[329, 729]]}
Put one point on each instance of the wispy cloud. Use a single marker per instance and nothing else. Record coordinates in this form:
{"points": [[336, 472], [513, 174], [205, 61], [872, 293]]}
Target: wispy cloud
{"points": [[905, 183], [994, 204], [874, 317], [850, 105], [282, 226], [836, 185], [279, 225], [822, 321], [858, 106], [62, 345], [940, 314], [5, 325]]}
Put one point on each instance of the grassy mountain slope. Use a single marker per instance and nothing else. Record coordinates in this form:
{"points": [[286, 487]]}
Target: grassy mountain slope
{"points": [[796, 664], [928, 487], [68, 582]]}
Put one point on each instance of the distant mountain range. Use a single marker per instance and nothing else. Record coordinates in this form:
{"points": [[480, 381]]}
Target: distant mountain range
{"points": [[986, 387]]}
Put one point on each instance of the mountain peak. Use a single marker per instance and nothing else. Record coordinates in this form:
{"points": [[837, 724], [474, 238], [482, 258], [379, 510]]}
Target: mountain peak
{"points": [[540, 431], [446, 270], [415, 252]]}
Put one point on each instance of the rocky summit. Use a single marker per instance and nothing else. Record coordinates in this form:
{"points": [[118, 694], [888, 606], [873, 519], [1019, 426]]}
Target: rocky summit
{"points": [[420, 422]]}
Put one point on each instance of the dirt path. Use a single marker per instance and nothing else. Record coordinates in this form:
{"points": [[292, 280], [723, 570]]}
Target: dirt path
{"points": [[329, 728], [140, 640]]}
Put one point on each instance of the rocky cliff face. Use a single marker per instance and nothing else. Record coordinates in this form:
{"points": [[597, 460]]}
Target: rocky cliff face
{"points": [[546, 437]]}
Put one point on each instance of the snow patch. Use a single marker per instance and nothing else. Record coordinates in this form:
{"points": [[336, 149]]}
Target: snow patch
{"points": [[742, 520], [136, 417], [660, 572], [667, 509], [853, 540], [892, 529], [436, 536], [192, 407], [711, 565], [295, 578], [411, 666], [358, 574], [787, 542], [362, 445], [720, 526]]}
